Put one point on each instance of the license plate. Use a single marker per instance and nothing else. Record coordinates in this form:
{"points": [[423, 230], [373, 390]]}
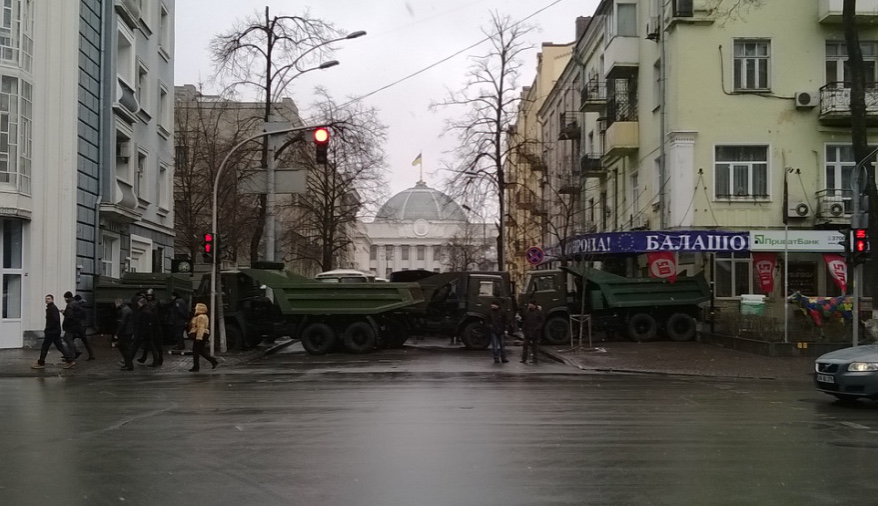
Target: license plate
{"points": [[825, 378]]}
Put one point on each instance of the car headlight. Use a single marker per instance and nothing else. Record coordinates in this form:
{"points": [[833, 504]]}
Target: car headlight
{"points": [[863, 366]]}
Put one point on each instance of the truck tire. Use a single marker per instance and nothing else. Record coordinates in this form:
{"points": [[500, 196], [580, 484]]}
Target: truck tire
{"points": [[642, 327], [680, 327], [234, 338], [318, 338], [475, 336], [359, 337], [556, 330]]}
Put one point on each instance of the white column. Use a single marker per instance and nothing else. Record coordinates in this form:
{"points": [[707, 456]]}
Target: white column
{"points": [[681, 176]]}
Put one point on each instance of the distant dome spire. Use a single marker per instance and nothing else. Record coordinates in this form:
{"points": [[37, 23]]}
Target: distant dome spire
{"points": [[421, 203]]}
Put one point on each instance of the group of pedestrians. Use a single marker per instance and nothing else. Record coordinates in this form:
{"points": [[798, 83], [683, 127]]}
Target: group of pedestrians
{"points": [[73, 328], [139, 326], [500, 324]]}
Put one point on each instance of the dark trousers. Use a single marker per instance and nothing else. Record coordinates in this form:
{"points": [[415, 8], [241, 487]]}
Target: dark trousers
{"points": [[531, 341], [148, 345], [157, 349], [81, 335], [498, 344], [48, 341], [199, 349], [126, 341]]}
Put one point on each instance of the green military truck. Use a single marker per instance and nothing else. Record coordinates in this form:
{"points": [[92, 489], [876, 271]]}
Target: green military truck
{"points": [[267, 302], [107, 290], [641, 308], [458, 304]]}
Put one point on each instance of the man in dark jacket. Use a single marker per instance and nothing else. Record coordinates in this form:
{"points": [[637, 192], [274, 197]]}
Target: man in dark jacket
{"points": [[74, 326], [143, 332], [531, 324], [177, 317], [125, 332], [498, 324], [53, 336]]}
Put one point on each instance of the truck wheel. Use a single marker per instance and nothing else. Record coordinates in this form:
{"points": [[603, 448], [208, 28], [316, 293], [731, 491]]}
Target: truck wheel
{"points": [[642, 327], [359, 337], [234, 338], [318, 338], [395, 334], [680, 327], [556, 330], [475, 336]]}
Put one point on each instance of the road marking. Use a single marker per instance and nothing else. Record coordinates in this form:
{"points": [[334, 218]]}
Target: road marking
{"points": [[854, 425]]}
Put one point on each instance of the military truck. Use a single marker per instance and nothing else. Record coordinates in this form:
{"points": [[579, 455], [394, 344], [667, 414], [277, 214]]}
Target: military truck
{"points": [[641, 308], [458, 303], [266, 302], [108, 289]]}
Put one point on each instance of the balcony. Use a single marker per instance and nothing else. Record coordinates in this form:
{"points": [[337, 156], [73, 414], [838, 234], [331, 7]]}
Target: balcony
{"points": [[622, 56], [622, 138], [594, 96], [570, 184], [830, 11], [590, 165], [834, 206], [528, 154], [525, 200], [129, 10], [835, 105]]}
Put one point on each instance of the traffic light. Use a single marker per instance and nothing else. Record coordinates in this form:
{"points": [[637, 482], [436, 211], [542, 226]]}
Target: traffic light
{"points": [[846, 243], [321, 143], [860, 244], [208, 247]]}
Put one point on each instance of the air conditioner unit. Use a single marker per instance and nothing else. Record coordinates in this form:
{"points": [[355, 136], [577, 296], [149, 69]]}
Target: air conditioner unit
{"points": [[807, 99], [652, 29], [832, 207], [123, 150], [799, 210]]}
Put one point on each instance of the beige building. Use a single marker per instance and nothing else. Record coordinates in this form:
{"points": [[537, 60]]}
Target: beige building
{"points": [[692, 120]]}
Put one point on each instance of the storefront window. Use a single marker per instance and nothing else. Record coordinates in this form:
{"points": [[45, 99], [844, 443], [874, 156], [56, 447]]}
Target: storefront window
{"points": [[733, 275]]}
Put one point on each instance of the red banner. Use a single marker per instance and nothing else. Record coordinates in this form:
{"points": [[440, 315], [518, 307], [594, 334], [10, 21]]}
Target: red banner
{"points": [[839, 270], [764, 264], [662, 264]]}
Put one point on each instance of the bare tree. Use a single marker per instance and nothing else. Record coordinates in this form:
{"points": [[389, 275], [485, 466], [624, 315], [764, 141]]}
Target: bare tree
{"points": [[354, 177], [265, 54], [206, 128], [466, 249], [490, 97]]}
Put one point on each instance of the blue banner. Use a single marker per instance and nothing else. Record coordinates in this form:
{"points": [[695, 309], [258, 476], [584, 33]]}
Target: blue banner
{"points": [[647, 241]]}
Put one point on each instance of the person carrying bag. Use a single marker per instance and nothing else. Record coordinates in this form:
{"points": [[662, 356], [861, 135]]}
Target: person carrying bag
{"points": [[199, 332]]}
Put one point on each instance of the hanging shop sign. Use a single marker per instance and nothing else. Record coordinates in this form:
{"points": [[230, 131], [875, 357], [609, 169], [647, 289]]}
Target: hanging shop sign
{"points": [[764, 264], [662, 264], [648, 241], [838, 269], [816, 241]]}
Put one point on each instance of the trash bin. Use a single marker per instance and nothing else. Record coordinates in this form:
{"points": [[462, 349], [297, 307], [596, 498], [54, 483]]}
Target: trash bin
{"points": [[753, 304]]}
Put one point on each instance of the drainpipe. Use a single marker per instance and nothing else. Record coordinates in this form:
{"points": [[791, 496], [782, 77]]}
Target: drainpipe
{"points": [[662, 120]]}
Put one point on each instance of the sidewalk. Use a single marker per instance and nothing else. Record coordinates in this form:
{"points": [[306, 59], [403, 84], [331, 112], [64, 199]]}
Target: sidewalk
{"points": [[17, 362], [686, 359]]}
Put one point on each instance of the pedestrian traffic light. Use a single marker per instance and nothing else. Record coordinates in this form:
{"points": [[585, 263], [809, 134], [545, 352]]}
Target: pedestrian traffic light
{"points": [[208, 247], [860, 244], [321, 143]]}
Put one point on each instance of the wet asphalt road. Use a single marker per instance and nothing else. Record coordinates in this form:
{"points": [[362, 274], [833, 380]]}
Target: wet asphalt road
{"points": [[429, 427]]}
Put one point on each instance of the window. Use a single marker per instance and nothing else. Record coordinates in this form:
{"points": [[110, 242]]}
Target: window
{"points": [[165, 30], [110, 252], [839, 170], [373, 252], [125, 55], [388, 252], [635, 193], [139, 176], [741, 171], [751, 65], [657, 84], [837, 70], [733, 274], [437, 252], [142, 92], [404, 251], [165, 117], [422, 252], [16, 110], [627, 20], [163, 188], [683, 9], [16, 29]]}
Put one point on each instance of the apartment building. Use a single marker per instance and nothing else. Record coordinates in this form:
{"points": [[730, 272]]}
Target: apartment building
{"points": [[85, 157], [710, 132]]}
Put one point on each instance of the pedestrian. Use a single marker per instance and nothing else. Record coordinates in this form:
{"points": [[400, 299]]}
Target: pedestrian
{"points": [[498, 325], [178, 316], [157, 338], [532, 324], [199, 332], [143, 323], [125, 332], [74, 326], [52, 335], [82, 307]]}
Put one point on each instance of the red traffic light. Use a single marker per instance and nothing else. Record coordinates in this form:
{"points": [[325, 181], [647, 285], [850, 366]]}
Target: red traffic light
{"points": [[861, 240], [321, 135], [208, 242]]}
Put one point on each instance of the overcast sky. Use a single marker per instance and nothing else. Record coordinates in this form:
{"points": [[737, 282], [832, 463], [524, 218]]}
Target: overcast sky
{"points": [[403, 37]]}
